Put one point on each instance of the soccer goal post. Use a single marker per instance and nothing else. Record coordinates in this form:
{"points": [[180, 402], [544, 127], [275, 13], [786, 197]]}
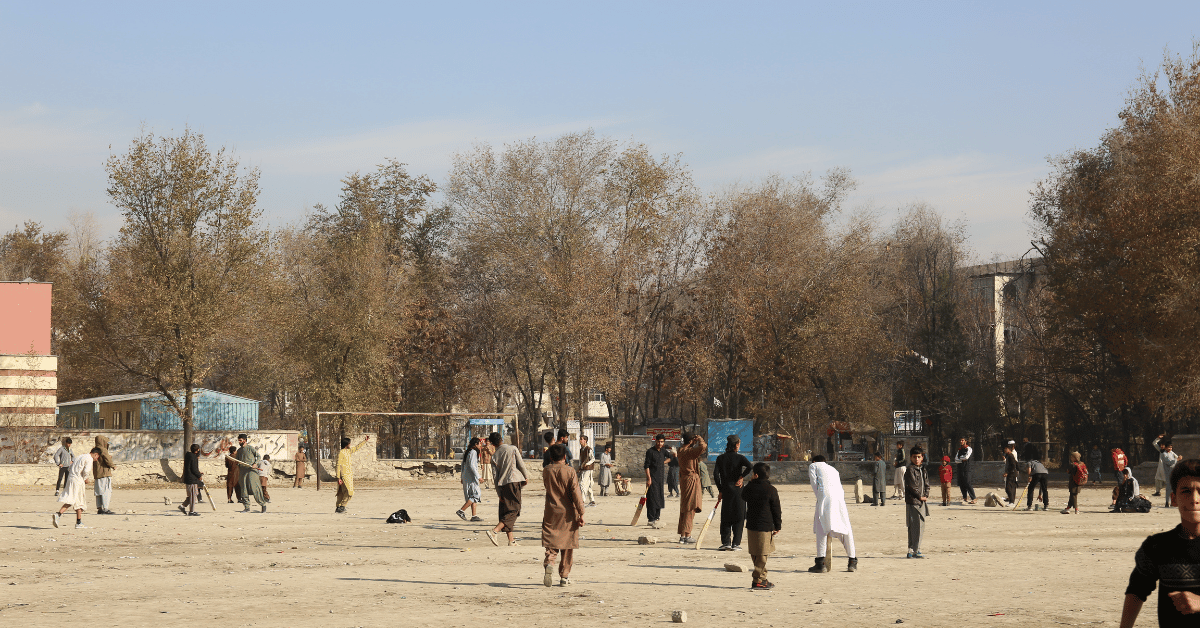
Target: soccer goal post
{"points": [[404, 434]]}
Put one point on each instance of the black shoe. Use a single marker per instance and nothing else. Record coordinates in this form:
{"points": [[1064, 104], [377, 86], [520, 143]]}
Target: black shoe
{"points": [[818, 567], [193, 514], [852, 565], [765, 585]]}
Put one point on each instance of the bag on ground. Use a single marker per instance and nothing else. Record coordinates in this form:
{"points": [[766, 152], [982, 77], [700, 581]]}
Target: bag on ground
{"points": [[400, 516]]}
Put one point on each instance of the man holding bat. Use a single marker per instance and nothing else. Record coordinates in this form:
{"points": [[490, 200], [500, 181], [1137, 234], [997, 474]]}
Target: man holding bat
{"points": [[248, 456], [690, 498], [655, 501]]}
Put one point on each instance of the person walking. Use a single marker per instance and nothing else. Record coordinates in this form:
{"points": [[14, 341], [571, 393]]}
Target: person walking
{"points": [[191, 480], [655, 472], [916, 498], [562, 516], [899, 464], [485, 463], [73, 491], [690, 497], [63, 458], [233, 476], [102, 470], [706, 483], [963, 460], [604, 472], [345, 474], [830, 519], [1076, 477], [470, 481], [764, 520], [247, 457], [301, 467], [587, 470], [511, 476], [946, 473], [1095, 456], [731, 470]]}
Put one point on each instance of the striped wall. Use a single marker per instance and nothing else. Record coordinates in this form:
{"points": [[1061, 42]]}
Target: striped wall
{"points": [[28, 389]]}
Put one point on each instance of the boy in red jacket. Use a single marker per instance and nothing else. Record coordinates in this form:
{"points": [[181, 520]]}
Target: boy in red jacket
{"points": [[947, 475]]}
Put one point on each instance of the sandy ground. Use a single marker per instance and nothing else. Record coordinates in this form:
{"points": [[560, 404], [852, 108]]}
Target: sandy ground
{"points": [[299, 565]]}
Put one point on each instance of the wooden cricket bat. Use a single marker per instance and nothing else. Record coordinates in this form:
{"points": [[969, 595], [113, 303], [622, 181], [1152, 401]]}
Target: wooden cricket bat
{"points": [[700, 537], [209, 496], [637, 514], [1018, 502]]}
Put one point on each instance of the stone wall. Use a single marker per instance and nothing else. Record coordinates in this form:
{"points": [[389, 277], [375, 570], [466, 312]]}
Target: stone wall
{"points": [[36, 445]]}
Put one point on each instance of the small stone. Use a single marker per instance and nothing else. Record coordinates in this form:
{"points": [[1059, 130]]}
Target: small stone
{"points": [[733, 567], [822, 601], [166, 501], [899, 621], [647, 540], [679, 617]]}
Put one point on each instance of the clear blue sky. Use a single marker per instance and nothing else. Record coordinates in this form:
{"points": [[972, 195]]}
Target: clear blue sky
{"points": [[955, 104]]}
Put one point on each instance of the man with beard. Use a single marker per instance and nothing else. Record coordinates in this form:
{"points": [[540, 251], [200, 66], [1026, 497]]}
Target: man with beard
{"points": [[655, 501]]}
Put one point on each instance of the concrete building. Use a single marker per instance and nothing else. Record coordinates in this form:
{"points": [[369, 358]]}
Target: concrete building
{"points": [[998, 285], [213, 411], [28, 373]]}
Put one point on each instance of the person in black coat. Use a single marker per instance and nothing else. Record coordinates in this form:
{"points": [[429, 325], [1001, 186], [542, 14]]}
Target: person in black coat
{"points": [[191, 479], [764, 519], [655, 459], [730, 472]]}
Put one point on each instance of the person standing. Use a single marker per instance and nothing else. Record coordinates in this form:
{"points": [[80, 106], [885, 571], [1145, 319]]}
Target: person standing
{"points": [[102, 470], [345, 474], [916, 497], [879, 482], [830, 519], [899, 472], [604, 475], [510, 476], [672, 472], [690, 499], [233, 476], [1094, 458], [947, 476], [655, 502], [1010, 474], [263, 469], [73, 491], [1076, 476], [1119, 463], [706, 484], [191, 480], [764, 519], [301, 467], [248, 457], [963, 460], [562, 516], [587, 469], [485, 463], [731, 470], [1169, 560], [1167, 460], [63, 458], [470, 481], [1160, 478]]}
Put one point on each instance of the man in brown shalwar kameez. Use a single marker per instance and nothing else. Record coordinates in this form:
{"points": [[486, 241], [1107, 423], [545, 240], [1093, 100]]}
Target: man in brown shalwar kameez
{"points": [[689, 484], [562, 517], [301, 468], [233, 475]]}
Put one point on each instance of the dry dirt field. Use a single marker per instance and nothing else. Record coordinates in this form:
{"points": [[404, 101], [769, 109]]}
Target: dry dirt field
{"points": [[301, 565]]}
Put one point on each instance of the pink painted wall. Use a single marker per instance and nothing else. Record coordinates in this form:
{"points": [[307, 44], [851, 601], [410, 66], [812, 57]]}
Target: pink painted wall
{"points": [[24, 318]]}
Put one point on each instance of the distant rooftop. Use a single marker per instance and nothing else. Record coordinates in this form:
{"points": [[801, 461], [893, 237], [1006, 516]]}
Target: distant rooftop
{"points": [[144, 395], [1010, 267]]}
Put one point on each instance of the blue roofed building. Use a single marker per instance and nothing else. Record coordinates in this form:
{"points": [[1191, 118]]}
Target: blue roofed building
{"points": [[212, 411]]}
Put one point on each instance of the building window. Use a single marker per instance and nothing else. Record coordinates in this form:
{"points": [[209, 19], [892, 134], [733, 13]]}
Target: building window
{"points": [[128, 419], [596, 395], [116, 421]]}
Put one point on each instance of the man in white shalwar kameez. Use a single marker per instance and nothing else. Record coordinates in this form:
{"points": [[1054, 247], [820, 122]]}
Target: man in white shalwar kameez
{"points": [[831, 517], [71, 497]]}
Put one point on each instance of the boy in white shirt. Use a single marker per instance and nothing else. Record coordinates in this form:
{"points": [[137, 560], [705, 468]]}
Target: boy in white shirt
{"points": [[263, 468]]}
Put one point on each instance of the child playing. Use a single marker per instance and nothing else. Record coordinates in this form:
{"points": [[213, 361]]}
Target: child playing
{"points": [[620, 484], [72, 494], [263, 468], [764, 519], [1171, 559], [947, 475], [1076, 475], [916, 494]]}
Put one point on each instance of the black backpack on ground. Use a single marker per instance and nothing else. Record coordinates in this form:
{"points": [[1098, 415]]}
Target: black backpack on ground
{"points": [[400, 516]]}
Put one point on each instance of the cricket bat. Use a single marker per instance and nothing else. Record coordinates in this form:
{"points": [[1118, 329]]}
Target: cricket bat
{"points": [[1018, 502], [210, 500], [700, 537], [637, 514]]}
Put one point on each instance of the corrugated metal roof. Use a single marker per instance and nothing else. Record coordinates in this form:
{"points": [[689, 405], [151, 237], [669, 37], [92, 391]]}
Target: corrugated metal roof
{"points": [[149, 395]]}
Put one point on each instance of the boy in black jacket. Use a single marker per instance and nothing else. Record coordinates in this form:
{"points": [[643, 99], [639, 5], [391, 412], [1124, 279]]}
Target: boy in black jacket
{"points": [[764, 519]]}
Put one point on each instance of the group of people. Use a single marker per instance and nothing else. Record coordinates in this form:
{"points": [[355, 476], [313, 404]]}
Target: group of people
{"points": [[74, 472]]}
